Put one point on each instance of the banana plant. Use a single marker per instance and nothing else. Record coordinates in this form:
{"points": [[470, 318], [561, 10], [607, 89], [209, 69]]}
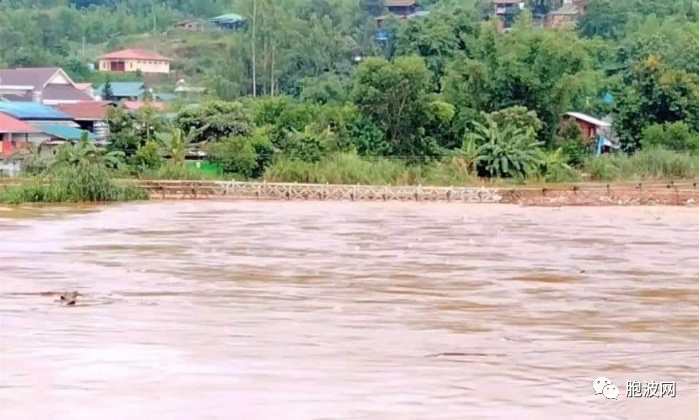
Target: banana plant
{"points": [[505, 151]]}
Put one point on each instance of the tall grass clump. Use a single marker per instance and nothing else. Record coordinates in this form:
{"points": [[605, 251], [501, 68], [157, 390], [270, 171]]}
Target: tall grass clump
{"points": [[651, 163], [340, 168], [80, 173]]}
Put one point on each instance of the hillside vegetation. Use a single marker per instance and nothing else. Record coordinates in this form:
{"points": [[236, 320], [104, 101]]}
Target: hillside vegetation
{"points": [[446, 99]]}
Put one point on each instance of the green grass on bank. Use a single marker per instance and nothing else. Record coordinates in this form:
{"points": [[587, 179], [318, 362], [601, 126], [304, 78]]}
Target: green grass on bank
{"points": [[350, 169], [643, 165], [96, 184]]}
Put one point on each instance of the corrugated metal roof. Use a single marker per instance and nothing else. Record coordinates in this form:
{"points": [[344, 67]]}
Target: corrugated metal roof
{"points": [[36, 77], [229, 17], [9, 124], [64, 93], [123, 89], [86, 111], [165, 97], [136, 105], [400, 3], [589, 119], [32, 111], [64, 132]]}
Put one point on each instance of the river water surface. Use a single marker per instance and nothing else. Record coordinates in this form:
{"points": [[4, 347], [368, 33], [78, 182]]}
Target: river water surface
{"points": [[224, 310]]}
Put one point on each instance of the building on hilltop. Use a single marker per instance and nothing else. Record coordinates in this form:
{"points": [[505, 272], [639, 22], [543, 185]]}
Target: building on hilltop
{"points": [[506, 11], [48, 85], [568, 14], [402, 8], [133, 60], [229, 22], [192, 25]]}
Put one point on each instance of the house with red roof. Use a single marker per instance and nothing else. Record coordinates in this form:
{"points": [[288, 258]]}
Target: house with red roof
{"points": [[14, 133], [133, 60], [90, 116]]}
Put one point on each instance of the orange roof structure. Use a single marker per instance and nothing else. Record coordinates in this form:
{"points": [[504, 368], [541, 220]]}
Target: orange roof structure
{"points": [[86, 110], [136, 105], [10, 124], [134, 54]]}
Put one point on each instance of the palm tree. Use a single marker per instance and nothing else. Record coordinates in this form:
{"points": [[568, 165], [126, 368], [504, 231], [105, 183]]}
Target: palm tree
{"points": [[505, 151], [176, 143]]}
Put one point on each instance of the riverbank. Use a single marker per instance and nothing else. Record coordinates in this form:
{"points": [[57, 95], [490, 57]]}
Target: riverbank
{"points": [[586, 194], [684, 193]]}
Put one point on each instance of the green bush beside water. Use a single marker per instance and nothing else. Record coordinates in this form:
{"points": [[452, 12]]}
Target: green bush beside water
{"points": [[71, 185], [79, 173]]}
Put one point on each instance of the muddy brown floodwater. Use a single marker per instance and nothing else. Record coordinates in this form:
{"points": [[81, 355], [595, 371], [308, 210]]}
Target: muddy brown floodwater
{"points": [[224, 310]]}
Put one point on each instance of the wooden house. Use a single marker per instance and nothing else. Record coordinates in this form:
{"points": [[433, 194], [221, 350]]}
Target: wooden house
{"points": [[192, 25], [506, 11], [402, 8], [566, 15], [14, 133], [595, 131]]}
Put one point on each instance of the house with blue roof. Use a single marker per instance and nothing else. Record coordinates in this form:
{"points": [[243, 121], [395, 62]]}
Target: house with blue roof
{"points": [[133, 92], [124, 91], [52, 125]]}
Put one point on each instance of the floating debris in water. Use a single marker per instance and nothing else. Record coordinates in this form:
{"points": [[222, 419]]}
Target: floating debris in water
{"points": [[69, 298]]}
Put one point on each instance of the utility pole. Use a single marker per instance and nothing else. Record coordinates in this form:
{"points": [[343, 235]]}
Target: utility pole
{"points": [[254, 40]]}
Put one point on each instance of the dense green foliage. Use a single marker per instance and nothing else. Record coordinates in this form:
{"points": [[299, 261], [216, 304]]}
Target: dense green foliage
{"points": [[78, 173], [306, 86]]}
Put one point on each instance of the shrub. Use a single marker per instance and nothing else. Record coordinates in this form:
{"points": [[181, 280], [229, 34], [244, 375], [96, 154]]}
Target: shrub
{"points": [[71, 184], [148, 156], [570, 140], [235, 155], [673, 136]]}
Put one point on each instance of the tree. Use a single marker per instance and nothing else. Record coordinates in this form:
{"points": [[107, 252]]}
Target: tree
{"points": [[655, 94], [107, 93], [394, 97], [176, 144], [604, 18], [372, 7], [519, 117], [215, 120], [542, 71]]}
